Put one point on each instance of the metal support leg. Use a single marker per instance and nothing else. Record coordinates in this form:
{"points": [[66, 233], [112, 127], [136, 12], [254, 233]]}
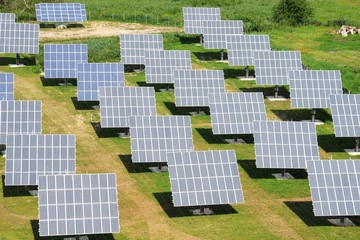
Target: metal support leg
{"points": [[276, 89], [313, 113]]}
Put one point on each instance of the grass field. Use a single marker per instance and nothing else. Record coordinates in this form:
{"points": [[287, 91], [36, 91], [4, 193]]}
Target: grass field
{"points": [[272, 210]]}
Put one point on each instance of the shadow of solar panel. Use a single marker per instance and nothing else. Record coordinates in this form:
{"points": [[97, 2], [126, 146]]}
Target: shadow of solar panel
{"points": [[284, 145], [240, 48], [153, 136], [60, 60], [132, 46], [312, 89], [192, 87], [345, 109], [201, 178], [19, 117], [334, 186], [19, 38], [160, 64], [234, 113], [90, 76], [60, 12], [215, 32], [194, 18], [29, 156], [7, 17], [117, 104], [78, 204], [6, 86], [272, 67]]}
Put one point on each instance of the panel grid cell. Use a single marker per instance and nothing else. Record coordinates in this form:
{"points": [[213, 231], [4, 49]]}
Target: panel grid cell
{"points": [[272, 67], [284, 145], [335, 187], [200, 178], [153, 136], [19, 117], [215, 32], [78, 204], [60, 60], [60, 12], [6, 86], [234, 113], [132, 46], [345, 109], [160, 64], [19, 38], [91, 76], [194, 18], [117, 104], [7, 17], [192, 87], [29, 156], [240, 48], [312, 89]]}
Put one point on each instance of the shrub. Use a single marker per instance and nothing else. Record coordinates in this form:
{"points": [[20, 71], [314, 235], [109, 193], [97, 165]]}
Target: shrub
{"points": [[292, 12]]}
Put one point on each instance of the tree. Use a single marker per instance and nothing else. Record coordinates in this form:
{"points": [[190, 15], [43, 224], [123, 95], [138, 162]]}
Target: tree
{"points": [[292, 12]]}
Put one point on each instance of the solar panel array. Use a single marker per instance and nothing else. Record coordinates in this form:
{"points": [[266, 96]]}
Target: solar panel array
{"points": [[345, 109], [160, 64], [60, 12], [335, 188], [284, 144], [194, 18], [29, 156], [6, 86], [204, 178], [240, 48], [78, 204], [7, 17], [19, 38], [133, 46], [192, 87], [215, 32], [90, 76], [234, 113], [117, 104], [19, 117], [153, 136], [60, 60], [271, 67], [312, 89]]}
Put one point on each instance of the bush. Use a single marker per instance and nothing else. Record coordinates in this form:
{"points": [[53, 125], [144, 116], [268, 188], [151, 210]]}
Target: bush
{"points": [[292, 12], [339, 22]]}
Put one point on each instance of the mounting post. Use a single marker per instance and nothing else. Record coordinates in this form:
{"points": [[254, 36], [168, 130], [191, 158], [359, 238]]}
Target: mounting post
{"points": [[160, 166], [17, 59], [276, 89], [126, 131], [313, 113], [198, 110], [235, 138], [202, 209], [247, 71], [201, 39], [283, 172], [167, 87], [342, 220], [222, 54], [357, 142]]}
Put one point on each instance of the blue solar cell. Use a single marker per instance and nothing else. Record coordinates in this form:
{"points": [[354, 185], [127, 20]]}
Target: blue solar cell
{"points": [[6, 86], [60, 12]]}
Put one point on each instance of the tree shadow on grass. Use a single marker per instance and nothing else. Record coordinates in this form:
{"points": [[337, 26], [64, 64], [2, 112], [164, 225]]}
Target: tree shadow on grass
{"points": [[135, 167], [84, 105], [49, 82], [184, 110], [106, 132], [14, 191], [208, 56], [264, 173], [268, 91], [165, 201], [330, 143], [26, 60], [301, 114]]}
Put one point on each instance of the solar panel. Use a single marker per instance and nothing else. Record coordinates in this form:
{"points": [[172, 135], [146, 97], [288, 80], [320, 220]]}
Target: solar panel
{"points": [[234, 113], [271, 67], [204, 178], [160, 64], [60, 60], [7, 17], [29, 156], [194, 18], [153, 136], [60, 12], [345, 109], [6, 86], [284, 144], [240, 48], [132, 46], [334, 185], [19, 117], [192, 87], [215, 32], [19, 38], [90, 76], [312, 89], [117, 104], [78, 204]]}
